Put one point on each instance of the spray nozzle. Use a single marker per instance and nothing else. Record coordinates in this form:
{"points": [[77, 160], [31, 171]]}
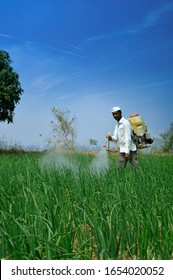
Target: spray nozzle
{"points": [[107, 138]]}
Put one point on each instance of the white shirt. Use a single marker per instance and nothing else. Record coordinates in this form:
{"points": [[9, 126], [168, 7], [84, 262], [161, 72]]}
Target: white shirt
{"points": [[123, 135]]}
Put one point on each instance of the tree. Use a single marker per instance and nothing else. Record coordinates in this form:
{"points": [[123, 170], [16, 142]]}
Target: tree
{"points": [[10, 88], [63, 133], [167, 138], [93, 141]]}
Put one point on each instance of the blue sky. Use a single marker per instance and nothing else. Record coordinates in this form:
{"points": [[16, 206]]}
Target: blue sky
{"points": [[88, 56]]}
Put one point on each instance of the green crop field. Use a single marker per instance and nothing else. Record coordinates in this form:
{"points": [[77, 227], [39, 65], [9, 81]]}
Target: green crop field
{"points": [[75, 210]]}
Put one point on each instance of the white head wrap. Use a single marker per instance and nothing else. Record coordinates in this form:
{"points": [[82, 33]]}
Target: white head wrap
{"points": [[115, 109]]}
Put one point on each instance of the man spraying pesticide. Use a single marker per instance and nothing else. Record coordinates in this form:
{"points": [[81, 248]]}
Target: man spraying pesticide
{"points": [[124, 134], [130, 135]]}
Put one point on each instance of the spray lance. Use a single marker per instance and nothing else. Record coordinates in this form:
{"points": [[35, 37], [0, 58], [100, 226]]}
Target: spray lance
{"points": [[107, 140]]}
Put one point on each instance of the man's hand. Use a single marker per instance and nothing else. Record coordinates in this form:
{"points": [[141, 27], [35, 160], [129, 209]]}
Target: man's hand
{"points": [[127, 156], [109, 137]]}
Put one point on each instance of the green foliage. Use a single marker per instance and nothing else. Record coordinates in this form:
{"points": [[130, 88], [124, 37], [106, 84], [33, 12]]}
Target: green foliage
{"points": [[167, 137], [10, 88], [72, 212]]}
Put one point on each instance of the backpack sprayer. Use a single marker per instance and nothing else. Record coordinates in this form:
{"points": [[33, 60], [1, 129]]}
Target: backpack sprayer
{"points": [[140, 136]]}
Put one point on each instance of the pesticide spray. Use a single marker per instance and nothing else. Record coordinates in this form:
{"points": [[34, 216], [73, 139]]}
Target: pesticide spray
{"points": [[100, 162], [58, 160], [62, 161]]}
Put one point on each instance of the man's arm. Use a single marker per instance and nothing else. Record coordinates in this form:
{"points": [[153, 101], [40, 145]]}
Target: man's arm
{"points": [[128, 135]]}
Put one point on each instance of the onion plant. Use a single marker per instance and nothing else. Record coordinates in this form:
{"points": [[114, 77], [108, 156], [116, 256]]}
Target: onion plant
{"points": [[72, 211]]}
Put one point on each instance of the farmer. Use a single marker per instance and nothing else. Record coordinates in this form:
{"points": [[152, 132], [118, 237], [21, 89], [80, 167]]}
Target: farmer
{"points": [[123, 135]]}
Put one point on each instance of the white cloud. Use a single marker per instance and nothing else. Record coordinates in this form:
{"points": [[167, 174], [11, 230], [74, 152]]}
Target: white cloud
{"points": [[150, 20], [46, 82], [64, 51]]}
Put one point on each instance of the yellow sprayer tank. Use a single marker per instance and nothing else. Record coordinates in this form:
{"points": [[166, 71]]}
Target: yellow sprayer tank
{"points": [[139, 126]]}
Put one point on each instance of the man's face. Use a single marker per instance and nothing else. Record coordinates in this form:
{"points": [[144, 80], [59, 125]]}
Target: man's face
{"points": [[117, 115]]}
